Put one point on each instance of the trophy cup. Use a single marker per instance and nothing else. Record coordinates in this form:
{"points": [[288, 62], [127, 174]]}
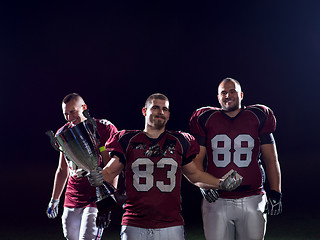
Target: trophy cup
{"points": [[80, 145]]}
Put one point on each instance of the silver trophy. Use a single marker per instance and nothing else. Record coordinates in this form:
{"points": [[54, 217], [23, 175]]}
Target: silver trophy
{"points": [[80, 145]]}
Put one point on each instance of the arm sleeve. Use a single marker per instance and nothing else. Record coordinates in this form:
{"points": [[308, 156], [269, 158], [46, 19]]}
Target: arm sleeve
{"points": [[196, 129]]}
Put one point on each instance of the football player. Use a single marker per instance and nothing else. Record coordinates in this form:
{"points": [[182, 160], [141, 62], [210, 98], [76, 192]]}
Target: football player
{"points": [[154, 160], [80, 212], [235, 138]]}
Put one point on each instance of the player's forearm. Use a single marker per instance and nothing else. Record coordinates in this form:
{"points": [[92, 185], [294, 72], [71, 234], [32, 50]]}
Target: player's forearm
{"points": [[274, 176], [59, 184], [207, 181], [112, 170], [200, 178], [115, 181], [108, 176], [270, 158]]}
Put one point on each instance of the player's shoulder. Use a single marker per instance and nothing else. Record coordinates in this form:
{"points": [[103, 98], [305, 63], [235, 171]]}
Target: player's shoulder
{"points": [[201, 115], [104, 122], [184, 136], [206, 109], [256, 108], [185, 140], [263, 114], [127, 133], [203, 111]]}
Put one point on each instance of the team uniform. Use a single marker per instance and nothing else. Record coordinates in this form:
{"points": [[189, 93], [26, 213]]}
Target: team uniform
{"points": [[80, 211], [153, 181], [234, 144]]}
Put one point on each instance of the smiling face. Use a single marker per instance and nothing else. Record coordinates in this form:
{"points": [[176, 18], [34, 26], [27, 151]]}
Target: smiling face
{"points": [[156, 114], [73, 110], [230, 97]]}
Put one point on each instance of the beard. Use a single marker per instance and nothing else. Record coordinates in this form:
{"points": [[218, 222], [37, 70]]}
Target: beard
{"points": [[232, 108], [158, 123]]}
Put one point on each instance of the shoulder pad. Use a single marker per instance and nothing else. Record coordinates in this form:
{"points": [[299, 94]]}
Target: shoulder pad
{"points": [[207, 108], [261, 112], [183, 138]]}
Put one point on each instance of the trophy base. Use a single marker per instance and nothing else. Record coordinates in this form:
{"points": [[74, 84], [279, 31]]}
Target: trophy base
{"points": [[108, 198], [104, 191]]}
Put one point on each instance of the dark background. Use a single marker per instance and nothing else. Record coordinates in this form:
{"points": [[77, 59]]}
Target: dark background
{"points": [[115, 54]]}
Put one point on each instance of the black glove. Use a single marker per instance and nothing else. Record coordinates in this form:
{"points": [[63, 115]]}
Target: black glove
{"points": [[210, 195], [274, 204], [103, 219]]}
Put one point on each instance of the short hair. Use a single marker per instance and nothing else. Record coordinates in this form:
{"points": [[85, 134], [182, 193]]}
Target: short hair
{"points": [[155, 96], [228, 79], [70, 97]]}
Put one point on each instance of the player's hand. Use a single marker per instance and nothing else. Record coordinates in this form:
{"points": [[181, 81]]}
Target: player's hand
{"points": [[230, 183], [80, 173], [103, 219], [95, 177], [211, 195], [274, 204], [52, 210]]}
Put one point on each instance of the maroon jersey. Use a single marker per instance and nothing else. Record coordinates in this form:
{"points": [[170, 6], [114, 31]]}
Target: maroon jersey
{"points": [[153, 175], [234, 143], [79, 192]]}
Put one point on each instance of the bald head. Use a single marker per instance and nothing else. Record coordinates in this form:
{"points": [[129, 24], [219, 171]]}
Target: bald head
{"points": [[228, 80]]}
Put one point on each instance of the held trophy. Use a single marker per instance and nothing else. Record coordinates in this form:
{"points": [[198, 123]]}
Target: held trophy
{"points": [[80, 145]]}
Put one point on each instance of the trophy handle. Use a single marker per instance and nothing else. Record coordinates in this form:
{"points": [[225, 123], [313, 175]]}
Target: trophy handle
{"points": [[53, 140], [91, 120]]}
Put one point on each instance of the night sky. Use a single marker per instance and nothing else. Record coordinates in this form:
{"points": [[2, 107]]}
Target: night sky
{"points": [[115, 54]]}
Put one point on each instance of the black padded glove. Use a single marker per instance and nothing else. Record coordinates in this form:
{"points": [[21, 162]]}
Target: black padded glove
{"points": [[274, 204], [103, 219]]}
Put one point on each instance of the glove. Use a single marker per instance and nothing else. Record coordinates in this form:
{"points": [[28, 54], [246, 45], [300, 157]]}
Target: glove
{"points": [[95, 177], [103, 219], [52, 210], [80, 173], [210, 195], [274, 204], [230, 183]]}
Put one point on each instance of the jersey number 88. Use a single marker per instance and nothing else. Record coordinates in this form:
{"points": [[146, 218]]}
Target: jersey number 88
{"points": [[221, 145]]}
